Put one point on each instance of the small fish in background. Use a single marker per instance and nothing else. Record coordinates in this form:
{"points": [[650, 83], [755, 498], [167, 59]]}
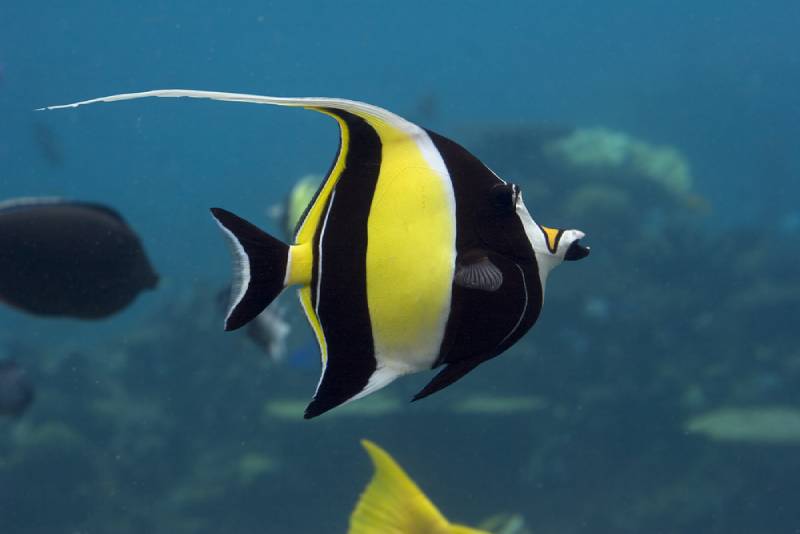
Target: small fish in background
{"points": [[268, 331], [412, 255], [393, 503], [70, 259], [288, 213], [506, 524], [48, 144], [16, 391]]}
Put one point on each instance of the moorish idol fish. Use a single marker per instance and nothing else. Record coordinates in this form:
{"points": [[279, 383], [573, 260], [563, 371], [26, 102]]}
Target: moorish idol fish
{"points": [[67, 258], [412, 255], [393, 504]]}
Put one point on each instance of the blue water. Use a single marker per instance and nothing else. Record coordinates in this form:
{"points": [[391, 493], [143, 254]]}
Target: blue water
{"points": [[717, 80]]}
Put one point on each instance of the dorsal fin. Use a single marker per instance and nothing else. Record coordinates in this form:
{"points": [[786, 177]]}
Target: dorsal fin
{"points": [[373, 114], [362, 109]]}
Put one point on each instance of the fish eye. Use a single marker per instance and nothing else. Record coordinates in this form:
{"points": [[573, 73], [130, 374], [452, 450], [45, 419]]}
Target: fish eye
{"points": [[504, 197]]}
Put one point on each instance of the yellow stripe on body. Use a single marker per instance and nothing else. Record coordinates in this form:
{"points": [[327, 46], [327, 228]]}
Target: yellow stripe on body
{"points": [[300, 265], [307, 229], [410, 250], [305, 301]]}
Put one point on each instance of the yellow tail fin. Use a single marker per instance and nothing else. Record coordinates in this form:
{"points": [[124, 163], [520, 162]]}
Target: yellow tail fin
{"points": [[394, 504]]}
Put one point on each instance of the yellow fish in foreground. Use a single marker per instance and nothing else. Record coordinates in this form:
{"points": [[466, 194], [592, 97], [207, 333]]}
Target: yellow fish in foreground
{"points": [[394, 504]]}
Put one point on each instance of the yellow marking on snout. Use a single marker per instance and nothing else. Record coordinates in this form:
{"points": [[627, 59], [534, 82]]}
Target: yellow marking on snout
{"points": [[551, 236]]}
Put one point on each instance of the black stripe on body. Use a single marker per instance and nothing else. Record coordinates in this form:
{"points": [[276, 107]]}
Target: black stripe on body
{"points": [[479, 223], [342, 305], [486, 323], [483, 324]]}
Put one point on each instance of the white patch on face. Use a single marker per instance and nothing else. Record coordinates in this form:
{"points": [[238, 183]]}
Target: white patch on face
{"points": [[531, 228], [545, 260]]}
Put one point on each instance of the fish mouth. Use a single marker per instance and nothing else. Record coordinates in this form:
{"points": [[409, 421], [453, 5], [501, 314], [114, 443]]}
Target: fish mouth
{"points": [[576, 251]]}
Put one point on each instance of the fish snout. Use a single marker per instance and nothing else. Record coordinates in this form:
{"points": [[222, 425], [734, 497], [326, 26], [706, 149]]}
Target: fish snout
{"points": [[575, 250]]}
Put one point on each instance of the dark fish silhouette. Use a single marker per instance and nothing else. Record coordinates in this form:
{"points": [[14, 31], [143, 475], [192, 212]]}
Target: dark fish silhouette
{"points": [[74, 259], [16, 392]]}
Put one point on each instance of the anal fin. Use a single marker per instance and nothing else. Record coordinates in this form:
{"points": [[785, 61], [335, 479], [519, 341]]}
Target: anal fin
{"points": [[339, 386]]}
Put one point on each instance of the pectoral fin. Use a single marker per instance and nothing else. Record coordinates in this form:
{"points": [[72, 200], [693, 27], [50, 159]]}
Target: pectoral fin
{"points": [[478, 272]]}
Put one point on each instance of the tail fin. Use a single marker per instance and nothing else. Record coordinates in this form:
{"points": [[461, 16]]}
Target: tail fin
{"points": [[392, 502], [259, 267]]}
